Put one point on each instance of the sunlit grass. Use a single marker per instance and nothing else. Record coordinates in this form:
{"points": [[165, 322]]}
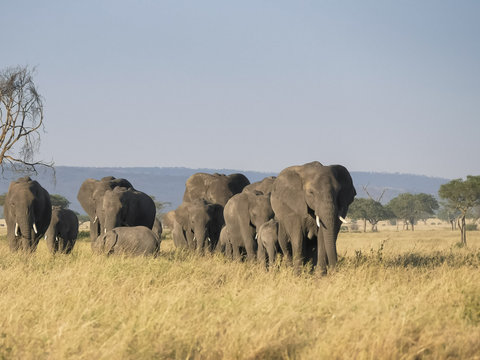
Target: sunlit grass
{"points": [[394, 295]]}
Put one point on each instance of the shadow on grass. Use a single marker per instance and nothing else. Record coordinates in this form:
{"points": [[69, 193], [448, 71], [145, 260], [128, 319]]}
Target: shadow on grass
{"points": [[449, 258]]}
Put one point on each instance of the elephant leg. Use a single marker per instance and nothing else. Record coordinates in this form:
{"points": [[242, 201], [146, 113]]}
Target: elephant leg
{"points": [[272, 253], [296, 239], [283, 242], [261, 255]]}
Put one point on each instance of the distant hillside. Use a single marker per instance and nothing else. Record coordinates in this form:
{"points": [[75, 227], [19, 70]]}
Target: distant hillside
{"points": [[168, 184]]}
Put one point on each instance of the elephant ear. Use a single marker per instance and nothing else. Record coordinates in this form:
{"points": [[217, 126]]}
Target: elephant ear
{"points": [[111, 239], [181, 214], [347, 190], [288, 190], [216, 213]]}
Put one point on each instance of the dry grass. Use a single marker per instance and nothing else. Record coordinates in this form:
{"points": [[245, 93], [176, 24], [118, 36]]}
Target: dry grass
{"points": [[395, 295]]}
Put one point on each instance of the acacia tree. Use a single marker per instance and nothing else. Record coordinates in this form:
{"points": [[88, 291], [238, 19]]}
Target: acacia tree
{"points": [[21, 119], [449, 214], [59, 200], [411, 207], [463, 196], [368, 210]]}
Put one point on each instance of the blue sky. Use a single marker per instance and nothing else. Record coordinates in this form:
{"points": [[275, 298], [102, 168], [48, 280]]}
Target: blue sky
{"points": [[390, 86]]}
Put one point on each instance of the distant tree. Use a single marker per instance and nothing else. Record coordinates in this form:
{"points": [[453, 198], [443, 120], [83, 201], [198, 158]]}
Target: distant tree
{"points": [[2, 199], [368, 210], [462, 195], [59, 200], [411, 207], [21, 119], [446, 213], [160, 205]]}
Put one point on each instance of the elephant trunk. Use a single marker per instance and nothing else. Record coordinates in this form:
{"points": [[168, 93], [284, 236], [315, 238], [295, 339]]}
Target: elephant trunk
{"points": [[326, 220], [200, 237]]}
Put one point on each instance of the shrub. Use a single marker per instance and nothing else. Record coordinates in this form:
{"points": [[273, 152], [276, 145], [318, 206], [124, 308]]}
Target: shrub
{"points": [[471, 227]]}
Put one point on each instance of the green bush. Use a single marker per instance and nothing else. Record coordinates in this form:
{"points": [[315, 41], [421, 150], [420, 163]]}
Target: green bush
{"points": [[471, 227]]}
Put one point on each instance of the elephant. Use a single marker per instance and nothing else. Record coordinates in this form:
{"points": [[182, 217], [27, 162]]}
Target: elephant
{"points": [[62, 232], [168, 219], [268, 242], [224, 245], [28, 211], [157, 228], [198, 225], [215, 188], [264, 186], [244, 213], [307, 195], [91, 193], [127, 240], [125, 207]]}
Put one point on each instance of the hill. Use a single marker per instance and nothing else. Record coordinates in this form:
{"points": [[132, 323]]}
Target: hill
{"points": [[167, 184]]}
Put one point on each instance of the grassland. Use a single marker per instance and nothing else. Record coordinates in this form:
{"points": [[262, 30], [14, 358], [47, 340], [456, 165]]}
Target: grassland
{"points": [[394, 295]]}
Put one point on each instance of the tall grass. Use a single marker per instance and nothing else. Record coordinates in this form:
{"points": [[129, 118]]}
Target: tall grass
{"points": [[394, 295]]}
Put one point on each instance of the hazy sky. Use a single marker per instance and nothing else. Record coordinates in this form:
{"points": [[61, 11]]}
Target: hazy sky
{"points": [[390, 86]]}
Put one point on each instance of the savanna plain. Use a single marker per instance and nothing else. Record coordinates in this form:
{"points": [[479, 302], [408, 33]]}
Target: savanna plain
{"points": [[394, 295]]}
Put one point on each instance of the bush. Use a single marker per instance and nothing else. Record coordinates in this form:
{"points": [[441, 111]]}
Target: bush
{"points": [[471, 227]]}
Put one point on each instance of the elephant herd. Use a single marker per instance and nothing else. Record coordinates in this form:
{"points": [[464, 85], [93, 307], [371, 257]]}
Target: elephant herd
{"points": [[297, 214], [121, 218]]}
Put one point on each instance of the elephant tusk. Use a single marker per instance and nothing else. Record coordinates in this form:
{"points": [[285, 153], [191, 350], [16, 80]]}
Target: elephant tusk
{"points": [[56, 239], [256, 236], [35, 228], [46, 236], [96, 219], [318, 221], [343, 220], [105, 230], [16, 229], [208, 239], [194, 238]]}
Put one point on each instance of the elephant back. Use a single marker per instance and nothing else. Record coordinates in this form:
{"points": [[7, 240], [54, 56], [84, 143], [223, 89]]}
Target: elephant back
{"points": [[215, 188]]}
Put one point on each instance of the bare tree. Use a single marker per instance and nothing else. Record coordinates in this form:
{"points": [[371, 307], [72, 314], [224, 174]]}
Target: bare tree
{"points": [[21, 120]]}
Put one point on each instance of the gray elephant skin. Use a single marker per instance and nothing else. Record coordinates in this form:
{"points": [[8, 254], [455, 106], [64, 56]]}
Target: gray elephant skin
{"points": [[125, 207], [268, 243], [27, 214], [265, 186], [62, 232], [91, 194], [197, 225], [128, 240], [312, 194], [157, 227], [244, 213], [215, 188]]}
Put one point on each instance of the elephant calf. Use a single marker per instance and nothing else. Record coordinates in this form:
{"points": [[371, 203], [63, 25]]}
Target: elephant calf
{"points": [[135, 240], [267, 239], [62, 232]]}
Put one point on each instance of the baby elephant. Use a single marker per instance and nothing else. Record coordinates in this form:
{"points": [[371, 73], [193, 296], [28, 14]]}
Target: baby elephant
{"points": [[135, 240], [267, 239], [62, 232]]}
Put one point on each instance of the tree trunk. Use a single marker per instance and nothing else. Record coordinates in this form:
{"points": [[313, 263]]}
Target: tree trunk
{"points": [[364, 225], [463, 230]]}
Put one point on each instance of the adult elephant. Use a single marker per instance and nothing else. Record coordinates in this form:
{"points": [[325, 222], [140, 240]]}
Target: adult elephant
{"points": [[244, 213], [265, 185], [215, 188], [125, 207], [135, 241], [198, 225], [91, 194], [28, 211], [62, 232], [312, 194]]}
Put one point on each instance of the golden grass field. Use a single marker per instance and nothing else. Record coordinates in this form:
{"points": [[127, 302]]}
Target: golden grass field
{"points": [[395, 295]]}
